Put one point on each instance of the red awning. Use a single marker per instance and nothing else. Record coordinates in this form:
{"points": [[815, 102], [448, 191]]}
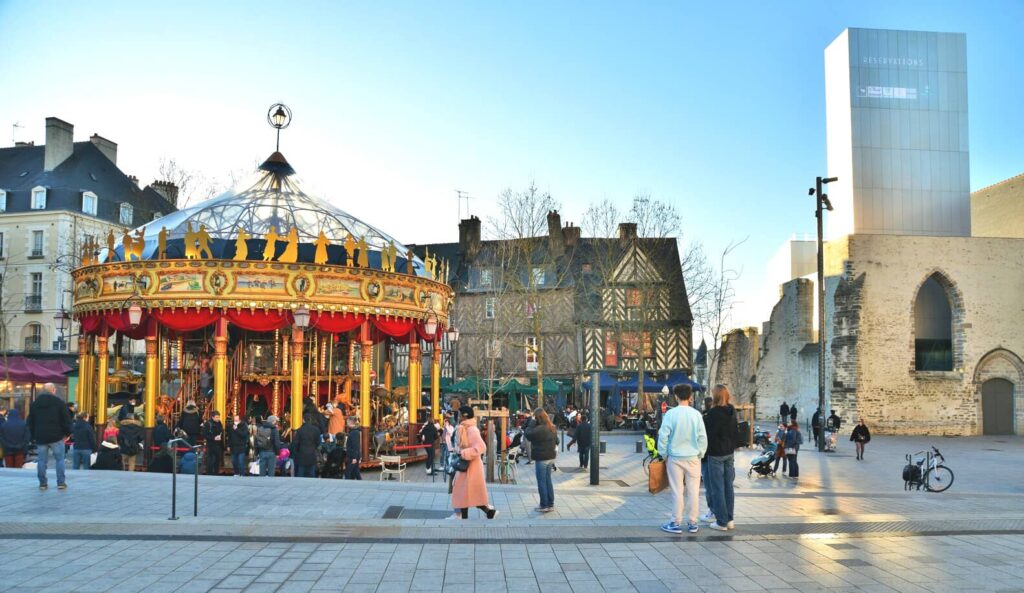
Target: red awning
{"points": [[27, 370]]}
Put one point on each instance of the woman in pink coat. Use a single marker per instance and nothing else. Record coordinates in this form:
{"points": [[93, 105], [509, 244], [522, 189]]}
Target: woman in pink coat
{"points": [[469, 489]]}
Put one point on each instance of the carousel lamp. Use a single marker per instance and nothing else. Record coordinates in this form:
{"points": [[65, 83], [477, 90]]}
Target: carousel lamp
{"points": [[430, 325], [134, 315], [453, 334], [301, 316]]}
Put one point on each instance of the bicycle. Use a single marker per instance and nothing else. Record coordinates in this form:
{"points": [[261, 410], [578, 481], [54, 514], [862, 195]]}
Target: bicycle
{"points": [[507, 469], [927, 471], [652, 453]]}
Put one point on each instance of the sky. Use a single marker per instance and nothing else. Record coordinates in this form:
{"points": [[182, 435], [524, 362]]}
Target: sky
{"points": [[716, 108]]}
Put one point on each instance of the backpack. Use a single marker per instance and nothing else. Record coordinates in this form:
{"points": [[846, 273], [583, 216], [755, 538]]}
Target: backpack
{"points": [[264, 438], [911, 473]]}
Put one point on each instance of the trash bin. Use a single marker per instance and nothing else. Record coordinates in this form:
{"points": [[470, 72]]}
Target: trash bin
{"points": [[743, 439]]}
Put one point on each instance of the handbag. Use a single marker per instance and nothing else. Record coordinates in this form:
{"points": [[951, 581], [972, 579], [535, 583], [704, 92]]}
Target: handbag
{"points": [[461, 465], [657, 478], [790, 451]]}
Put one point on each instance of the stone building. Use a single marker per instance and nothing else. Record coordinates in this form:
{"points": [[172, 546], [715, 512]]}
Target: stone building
{"points": [[53, 198], [924, 281], [737, 367]]}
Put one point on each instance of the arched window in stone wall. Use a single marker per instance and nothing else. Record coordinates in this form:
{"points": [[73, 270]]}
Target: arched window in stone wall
{"points": [[933, 327]]}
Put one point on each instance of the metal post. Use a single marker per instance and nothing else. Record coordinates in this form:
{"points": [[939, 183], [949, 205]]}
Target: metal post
{"points": [[595, 428], [195, 491], [173, 447], [821, 308]]}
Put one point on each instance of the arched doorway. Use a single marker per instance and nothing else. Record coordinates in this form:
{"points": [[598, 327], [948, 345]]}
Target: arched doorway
{"points": [[997, 407]]}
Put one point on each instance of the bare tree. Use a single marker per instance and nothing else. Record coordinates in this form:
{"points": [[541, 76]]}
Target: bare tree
{"points": [[193, 186], [713, 311]]}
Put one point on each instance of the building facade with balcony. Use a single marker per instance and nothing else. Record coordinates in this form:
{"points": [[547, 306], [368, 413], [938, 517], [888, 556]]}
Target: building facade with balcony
{"points": [[54, 200]]}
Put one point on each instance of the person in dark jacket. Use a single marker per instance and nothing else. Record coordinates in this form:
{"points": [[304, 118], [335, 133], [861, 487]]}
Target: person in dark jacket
{"points": [[213, 432], [792, 448], [833, 422], [109, 457], [190, 422], [268, 444], [49, 424], [256, 407], [792, 414], [161, 433], [584, 438], [783, 412], [721, 425], [130, 439], [353, 451], [817, 425], [127, 410], [238, 444], [304, 446], [84, 438], [860, 437], [428, 436], [14, 436], [543, 440]]}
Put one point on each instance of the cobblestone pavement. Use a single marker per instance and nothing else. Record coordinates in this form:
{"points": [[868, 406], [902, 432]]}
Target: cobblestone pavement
{"points": [[844, 526]]}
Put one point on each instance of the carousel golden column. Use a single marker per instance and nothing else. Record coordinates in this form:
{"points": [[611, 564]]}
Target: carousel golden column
{"points": [[298, 337], [435, 381], [118, 347], [101, 380], [152, 374], [80, 387], [365, 357], [415, 381], [89, 381], [220, 369]]}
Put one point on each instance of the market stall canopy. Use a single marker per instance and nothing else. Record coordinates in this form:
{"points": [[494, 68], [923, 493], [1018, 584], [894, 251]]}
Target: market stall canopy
{"points": [[551, 387], [26, 370], [651, 385], [469, 385]]}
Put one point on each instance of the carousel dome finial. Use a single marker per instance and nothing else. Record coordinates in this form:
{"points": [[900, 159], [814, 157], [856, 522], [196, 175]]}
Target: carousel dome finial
{"points": [[279, 116]]}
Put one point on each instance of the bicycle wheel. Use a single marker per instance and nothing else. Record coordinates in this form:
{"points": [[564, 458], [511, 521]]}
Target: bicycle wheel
{"points": [[938, 479]]}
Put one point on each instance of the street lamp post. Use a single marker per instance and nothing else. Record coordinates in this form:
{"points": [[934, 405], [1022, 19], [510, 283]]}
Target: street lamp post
{"points": [[822, 202], [453, 337]]}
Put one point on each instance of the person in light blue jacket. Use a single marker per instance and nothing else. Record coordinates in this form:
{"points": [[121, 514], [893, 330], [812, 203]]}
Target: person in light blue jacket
{"points": [[682, 440]]}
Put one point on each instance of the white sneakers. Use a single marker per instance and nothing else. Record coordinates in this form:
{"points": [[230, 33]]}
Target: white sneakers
{"points": [[708, 517]]}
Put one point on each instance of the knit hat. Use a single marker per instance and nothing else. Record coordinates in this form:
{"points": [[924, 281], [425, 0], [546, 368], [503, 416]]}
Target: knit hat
{"points": [[272, 419]]}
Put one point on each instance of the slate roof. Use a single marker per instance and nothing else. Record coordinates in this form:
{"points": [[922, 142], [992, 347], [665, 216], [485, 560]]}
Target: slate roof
{"points": [[87, 169]]}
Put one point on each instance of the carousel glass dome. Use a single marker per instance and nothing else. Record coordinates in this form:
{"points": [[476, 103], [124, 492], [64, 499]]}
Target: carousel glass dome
{"points": [[273, 200]]}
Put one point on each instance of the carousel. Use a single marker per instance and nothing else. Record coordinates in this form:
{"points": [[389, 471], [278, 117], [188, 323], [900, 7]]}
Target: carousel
{"points": [[261, 301]]}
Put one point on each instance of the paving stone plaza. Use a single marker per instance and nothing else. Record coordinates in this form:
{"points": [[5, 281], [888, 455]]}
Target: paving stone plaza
{"points": [[844, 526]]}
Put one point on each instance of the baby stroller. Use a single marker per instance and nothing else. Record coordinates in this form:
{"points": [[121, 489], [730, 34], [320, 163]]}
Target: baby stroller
{"points": [[763, 463], [831, 440], [332, 459], [515, 448]]}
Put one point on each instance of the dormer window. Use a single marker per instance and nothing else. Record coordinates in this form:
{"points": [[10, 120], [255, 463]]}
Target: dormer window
{"points": [[126, 214], [3, 200], [39, 198], [89, 202], [157, 215]]}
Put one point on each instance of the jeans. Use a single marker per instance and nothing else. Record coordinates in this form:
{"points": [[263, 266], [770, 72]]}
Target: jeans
{"points": [[780, 457], [214, 458], [238, 463], [544, 486], [268, 461], [721, 474], [684, 478], [352, 470], [794, 469], [305, 471], [81, 458], [584, 456], [43, 450], [704, 479], [430, 458]]}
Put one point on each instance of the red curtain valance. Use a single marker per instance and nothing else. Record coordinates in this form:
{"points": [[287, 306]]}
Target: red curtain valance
{"points": [[335, 323], [93, 324], [259, 321], [186, 320], [396, 328]]}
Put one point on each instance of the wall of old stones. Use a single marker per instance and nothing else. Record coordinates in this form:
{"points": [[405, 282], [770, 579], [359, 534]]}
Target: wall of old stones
{"points": [[788, 368], [737, 363]]}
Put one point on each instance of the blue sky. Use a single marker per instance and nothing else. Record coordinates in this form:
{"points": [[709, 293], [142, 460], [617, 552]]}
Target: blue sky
{"points": [[715, 107]]}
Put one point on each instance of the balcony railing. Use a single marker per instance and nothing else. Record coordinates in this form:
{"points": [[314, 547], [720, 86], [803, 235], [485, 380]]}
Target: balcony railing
{"points": [[33, 344], [34, 303]]}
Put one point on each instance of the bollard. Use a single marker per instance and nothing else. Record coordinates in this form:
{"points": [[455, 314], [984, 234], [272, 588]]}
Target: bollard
{"points": [[195, 493], [172, 446]]}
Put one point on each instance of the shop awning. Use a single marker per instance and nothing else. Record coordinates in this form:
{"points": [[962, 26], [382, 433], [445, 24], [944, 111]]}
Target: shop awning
{"points": [[27, 370]]}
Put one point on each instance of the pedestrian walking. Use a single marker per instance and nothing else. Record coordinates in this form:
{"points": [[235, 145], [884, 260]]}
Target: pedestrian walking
{"points": [[428, 436], [792, 447], [792, 414], [14, 436], [816, 426], [238, 445], [49, 424], [161, 433], [682, 441], [353, 451], [213, 432], [780, 448], [584, 440], [304, 447], [722, 434], [469, 488], [84, 438], [268, 444], [783, 412], [543, 449], [860, 437], [129, 440]]}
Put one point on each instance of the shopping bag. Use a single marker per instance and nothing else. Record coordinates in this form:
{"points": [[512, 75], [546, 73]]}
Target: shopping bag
{"points": [[657, 479]]}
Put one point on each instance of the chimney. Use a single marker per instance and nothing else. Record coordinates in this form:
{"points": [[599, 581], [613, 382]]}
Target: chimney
{"points": [[571, 234], [627, 231], [108, 148], [469, 237], [168, 190], [20, 144], [59, 143], [134, 180], [555, 241]]}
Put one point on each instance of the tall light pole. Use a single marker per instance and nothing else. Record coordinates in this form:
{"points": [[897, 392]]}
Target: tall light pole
{"points": [[822, 202]]}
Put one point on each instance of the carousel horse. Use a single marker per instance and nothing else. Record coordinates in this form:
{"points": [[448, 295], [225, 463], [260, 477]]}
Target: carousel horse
{"points": [[165, 406]]}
